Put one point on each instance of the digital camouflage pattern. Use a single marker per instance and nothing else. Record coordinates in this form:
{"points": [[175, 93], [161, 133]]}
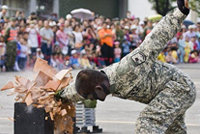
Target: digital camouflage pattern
{"points": [[140, 77]]}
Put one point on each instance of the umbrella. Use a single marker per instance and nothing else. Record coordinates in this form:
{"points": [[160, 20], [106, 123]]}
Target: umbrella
{"points": [[83, 14], [155, 17], [187, 23]]}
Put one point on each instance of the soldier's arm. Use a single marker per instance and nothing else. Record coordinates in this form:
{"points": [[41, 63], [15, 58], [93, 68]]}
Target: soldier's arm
{"points": [[165, 30], [70, 93]]}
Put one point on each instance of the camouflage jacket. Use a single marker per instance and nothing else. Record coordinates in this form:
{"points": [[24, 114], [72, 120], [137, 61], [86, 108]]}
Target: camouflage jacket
{"points": [[139, 76]]}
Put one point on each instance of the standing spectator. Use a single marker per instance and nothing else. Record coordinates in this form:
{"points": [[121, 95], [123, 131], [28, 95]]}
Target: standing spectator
{"points": [[78, 37], [181, 49], [191, 32], [117, 52], [187, 49], [106, 40], [3, 12], [62, 39], [47, 35], [33, 37], [147, 29], [11, 45], [22, 57], [2, 54]]}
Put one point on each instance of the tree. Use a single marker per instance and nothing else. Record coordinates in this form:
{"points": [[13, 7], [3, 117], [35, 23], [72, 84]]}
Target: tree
{"points": [[164, 6], [195, 5]]}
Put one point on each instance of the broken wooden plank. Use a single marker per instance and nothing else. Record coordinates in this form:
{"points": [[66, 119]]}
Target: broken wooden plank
{"points": [[9, 85], [60, 75]]}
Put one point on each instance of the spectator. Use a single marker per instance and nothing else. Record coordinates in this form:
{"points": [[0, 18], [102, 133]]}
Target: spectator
{"points": [[181, 49], [63, 39], [2, 54], [73, 61], [33, 37], [11, 45], [194, 57], [106, 40], [117, 52], [170, 58], [22, 57], [3, 12], [47, 35]]}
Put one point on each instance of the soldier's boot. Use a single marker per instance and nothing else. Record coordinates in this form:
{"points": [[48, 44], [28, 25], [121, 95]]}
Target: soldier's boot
{"points": [[84, 130], [96, 129]]}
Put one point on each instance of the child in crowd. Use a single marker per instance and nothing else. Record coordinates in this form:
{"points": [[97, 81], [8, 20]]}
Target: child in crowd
{"points": [[60, 61], [181, 48], [117, 51], [39, 53], [84, 61], [73, 61], [125, 48], [2, 54], [194, 57], [187, 49], [161, 57], [170, 58], [22, 57]]}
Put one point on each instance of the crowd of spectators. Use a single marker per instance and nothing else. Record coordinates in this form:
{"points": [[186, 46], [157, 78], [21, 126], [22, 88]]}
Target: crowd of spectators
{"points": [[70, 42]]}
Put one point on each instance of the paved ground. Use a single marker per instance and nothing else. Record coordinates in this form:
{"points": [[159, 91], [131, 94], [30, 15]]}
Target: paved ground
{"points": [[115, 116]]}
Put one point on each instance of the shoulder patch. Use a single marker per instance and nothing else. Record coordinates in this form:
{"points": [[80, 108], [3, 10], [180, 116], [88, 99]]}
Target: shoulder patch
{"points": [[138, 58]]}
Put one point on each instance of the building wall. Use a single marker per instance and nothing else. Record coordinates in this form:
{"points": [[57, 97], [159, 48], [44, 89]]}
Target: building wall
{"points": [[108, 8], [140, 8]]}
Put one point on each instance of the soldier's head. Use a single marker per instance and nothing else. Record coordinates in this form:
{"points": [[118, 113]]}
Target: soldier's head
{"points": [[92, 84]]}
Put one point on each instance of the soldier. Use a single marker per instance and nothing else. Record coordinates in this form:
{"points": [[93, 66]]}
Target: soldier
{"points": [[167, 91], [11, 45]]}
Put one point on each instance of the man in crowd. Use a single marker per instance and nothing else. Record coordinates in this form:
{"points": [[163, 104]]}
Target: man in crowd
{"points": [[47, 38], [106, 39], [3, 11], [167, 91], [11, 45]]}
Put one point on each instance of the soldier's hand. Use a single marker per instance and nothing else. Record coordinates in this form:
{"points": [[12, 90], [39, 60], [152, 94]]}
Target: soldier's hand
{"points": [[58, 94], [183, 6]]}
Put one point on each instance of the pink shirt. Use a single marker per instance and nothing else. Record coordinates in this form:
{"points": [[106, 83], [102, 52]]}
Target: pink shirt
{"points": [[117, 52], [62, 38]]}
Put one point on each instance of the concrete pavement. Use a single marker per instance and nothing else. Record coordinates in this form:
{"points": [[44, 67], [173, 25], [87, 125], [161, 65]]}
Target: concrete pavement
{"points": [[115, 116]]}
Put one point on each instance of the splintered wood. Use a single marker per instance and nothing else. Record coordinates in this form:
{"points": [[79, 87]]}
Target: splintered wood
{"points": [[40, 93]]}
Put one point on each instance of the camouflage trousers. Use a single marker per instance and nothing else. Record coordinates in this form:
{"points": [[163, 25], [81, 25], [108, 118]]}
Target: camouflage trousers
{"points": [[11, 48], [165, 113]]}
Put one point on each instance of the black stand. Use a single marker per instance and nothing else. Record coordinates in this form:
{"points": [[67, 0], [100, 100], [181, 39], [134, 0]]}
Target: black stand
{"points": [[31, 120]]}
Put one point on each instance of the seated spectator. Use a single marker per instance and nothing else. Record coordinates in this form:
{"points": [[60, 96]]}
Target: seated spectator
{"points": [[73, 61], [39, 53], [170, 58], [125, 48], [161, 57], [53, 62], [194, 56], [60, 61], [84, 61]]}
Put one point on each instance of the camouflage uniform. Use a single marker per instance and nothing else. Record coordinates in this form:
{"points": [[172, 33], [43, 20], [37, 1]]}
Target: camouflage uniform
{"points": [[140, 77]]}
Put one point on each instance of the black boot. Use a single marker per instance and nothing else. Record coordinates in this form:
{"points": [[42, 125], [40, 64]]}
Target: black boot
{"points": [[96, 129], [84, 130]]}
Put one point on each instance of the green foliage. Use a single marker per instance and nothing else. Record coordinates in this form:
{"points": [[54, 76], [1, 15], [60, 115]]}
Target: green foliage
{"points": [[164, 6], [195, 5]]}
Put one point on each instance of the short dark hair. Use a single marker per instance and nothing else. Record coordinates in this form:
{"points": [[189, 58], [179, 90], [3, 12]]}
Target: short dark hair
{"points": [[87, 79]]}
